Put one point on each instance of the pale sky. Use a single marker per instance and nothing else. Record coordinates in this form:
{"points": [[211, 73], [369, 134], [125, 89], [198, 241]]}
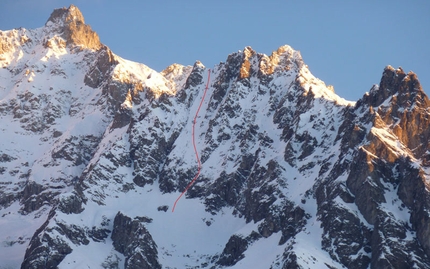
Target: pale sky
{"points": [[346, 44]]}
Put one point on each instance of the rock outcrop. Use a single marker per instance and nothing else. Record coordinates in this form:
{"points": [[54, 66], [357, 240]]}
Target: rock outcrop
{"points": [[132, 239], [70, 24]]}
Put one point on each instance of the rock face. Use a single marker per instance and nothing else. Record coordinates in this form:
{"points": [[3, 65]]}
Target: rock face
{"points": [[71, 24], [132, 239], [292, 175]]}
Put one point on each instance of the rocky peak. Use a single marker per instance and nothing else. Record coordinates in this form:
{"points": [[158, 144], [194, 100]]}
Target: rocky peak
{"points": [[177, 74], [283, 58], [402, 107], [70, 25], [195, 77], [395, 82], [410, 92], [246, 63], [66, 16], [175, 71], [245, 69]]}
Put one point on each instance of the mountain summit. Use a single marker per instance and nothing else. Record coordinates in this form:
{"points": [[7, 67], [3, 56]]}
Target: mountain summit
{"points": [[96, 149], [70, 24]]}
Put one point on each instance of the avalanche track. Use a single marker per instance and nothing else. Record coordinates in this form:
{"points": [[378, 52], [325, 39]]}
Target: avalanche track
{"points": [[199, 165]]}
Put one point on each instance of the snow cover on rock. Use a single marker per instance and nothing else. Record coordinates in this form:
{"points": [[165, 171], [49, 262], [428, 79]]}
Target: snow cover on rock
{"points": [[95, 149]]}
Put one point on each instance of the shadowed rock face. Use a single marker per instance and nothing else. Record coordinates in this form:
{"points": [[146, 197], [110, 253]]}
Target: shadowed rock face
{"points": [[131, 238], [399, 132]]}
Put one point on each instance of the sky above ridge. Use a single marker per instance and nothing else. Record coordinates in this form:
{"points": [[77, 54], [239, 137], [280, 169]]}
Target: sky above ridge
{"points": [[346, 44]]}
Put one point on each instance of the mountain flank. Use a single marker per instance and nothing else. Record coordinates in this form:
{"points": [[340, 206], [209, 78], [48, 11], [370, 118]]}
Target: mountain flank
{"points": [[95, 149]]}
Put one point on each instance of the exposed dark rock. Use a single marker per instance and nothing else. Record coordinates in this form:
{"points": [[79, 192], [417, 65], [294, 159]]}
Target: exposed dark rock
{"points": [[98, 234], [122, 118], [131, 238], [233, 251], [163, 208], [45, 250], [78, 150], [291, 221], [196, 76], [6, 199], [413, 193], [100, 70], [74, 233], [57, 134], [365, 186], [6, 158], [390, 82], [290, 259], [72, 204], [34, 196]]}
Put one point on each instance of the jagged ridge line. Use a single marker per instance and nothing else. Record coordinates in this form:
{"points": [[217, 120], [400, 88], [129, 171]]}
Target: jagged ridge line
{"points": [[199, 165]]}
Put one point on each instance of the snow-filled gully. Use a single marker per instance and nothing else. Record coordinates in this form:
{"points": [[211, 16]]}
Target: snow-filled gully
{"points": [[199, 165]]}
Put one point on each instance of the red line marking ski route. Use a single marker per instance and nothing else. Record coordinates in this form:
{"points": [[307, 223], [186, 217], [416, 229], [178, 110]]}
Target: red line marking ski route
{"points": [[199, 165]]}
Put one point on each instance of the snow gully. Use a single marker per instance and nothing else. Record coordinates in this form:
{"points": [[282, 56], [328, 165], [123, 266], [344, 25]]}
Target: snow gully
{"points": [[199, 165]]}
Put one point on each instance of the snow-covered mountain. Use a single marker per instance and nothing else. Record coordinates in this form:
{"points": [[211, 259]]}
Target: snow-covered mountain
{"points": [[95, 150]]}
